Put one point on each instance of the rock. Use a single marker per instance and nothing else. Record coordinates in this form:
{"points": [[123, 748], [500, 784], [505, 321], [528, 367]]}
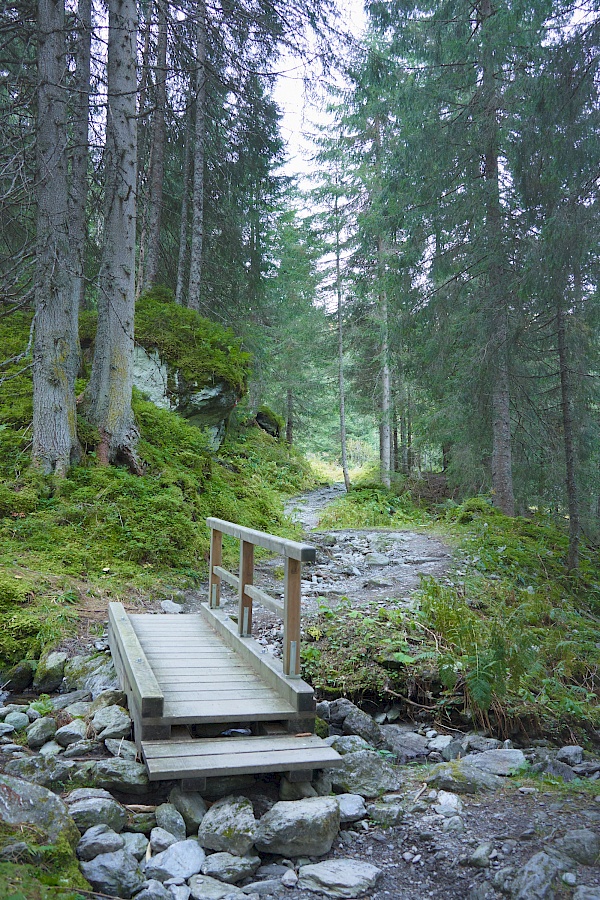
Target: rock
{"points": [[558, 769], [304, 827], [297, 790], [18, 720], [135, 843], [229, 825], [50, 749], [83, 748], [352, 808], [65, 700], [405, 744], [454, 750], [171, 820], [160, 840], [377, 559], [480, 858], [580, 844], [535, 878], [289, 879], [169, 606], [360, 723], [180, 892], [49, 673], [339, 709], [112, 722], [154, 890], [121, 747], [347, 743], [460, 777], [6, 729], [117, 874], [586, 893], [87, 794], [191, 806], [94, 674], [22, 803], [479, 743], [203, 887], [71, 733], [107, 698], [99, 839], [339, 877], [386, 814], [98, 811], [18, 678], [454, 823], [121, 775], [572, 755], [181, 860], [448, 804], [79, 710], [498, 762], [48, 772], [40, 732], [229, 868], [142, 822], [365, 773]]}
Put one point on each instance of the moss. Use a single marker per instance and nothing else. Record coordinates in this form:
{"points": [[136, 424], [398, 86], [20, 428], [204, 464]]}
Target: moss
{"points": [[321, 728], [38, 869]]}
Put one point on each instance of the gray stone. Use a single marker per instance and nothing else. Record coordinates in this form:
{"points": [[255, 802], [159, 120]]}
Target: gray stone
{"points": [[65, 700], [405, 744], [454, 823], [460, 777], [586, 893], [98, 811], [22, 803], [112, 722], [571, 754], [121, 747], [360, 723], [40, 732], [352, 808], [479, 743], [169, 606], [18, 720], [203, 887], [295, 790], [6, 729], [229, 825], [99, 839], [135, 843], [304, 827], [339, 709], [87, 794], [535, 879], [289, 879], [160, 839], [448, 804], [229, 868], [346, 878], [257, 889], [50, 749], [91, 673], [82, 748], [19, 677], [107, 698], [180, 892], [49, 673], [498, 762], [168, 817], [154, 890], [559, 769], [121, 775], [347, 743], [71, 733], [181, 860], [79, 710], [191, 806], [454, 750], [377, 559], [480, 858], [365, 773], [117, 874], [580, 844], [386, 814]]}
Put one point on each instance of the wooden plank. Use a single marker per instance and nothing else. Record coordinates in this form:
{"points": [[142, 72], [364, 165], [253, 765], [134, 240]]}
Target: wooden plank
{"points": [[148, 695], [244, 764], [246, 578], [291, 618], [293, 549], [265, 599], [238, 745], [226, 575], [216, 557], [297, 692], [213, 695], [194, 712]]}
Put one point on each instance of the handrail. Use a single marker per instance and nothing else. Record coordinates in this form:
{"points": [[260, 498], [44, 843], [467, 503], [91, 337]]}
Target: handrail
{"points": [[294, 554]]}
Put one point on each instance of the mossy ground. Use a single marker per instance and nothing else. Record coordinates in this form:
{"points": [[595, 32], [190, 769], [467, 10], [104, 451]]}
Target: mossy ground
{"points": [[36, 870]]}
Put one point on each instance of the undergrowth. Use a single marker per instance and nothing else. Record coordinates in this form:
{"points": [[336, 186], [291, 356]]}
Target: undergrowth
{"points": [[510, 640]]}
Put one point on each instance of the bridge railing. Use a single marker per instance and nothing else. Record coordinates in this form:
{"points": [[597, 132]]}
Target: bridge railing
{"points": [[294, 555]]}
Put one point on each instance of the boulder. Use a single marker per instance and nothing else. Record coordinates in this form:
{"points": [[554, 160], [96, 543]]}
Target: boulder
{"points": [[120, 775], [65, 700], [405, 744], [154, 890], [107, 698], [121, 747], [352, 808], [99, 839], [229, 868], [295, 790], [181, 860], [18, 720], [40, 732], [171, 820], [112, 722], [160, 840], [386, 814], [49, 673], [98, 811], [117, 874], [93, 674], [460, 777], [229, 825], [47, 771], [191, 806], [346, 878], [571, 754], [498, 762], [581, 845], [299, 828], [19, 677], [203, 887], [365, 773], [71, 733], [535, 879], [22, 803], [135, 843], [347, 743], [360, 723]]}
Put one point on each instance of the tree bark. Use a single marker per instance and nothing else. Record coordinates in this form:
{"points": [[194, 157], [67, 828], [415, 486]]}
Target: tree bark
{"points": [[569, 440], [183, 222], [197, 242], [157, 151], [108, 397], [55, 352], [386, 381], [289, 425], [340, 326], [79, 152]]}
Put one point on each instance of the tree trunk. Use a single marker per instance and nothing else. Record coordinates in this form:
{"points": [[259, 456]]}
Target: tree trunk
{"points": [[79, 153], [289, 426], [108, 397], [386, 381], [142, 142], [157, 151], [340, 325], [195, 282], [55, 353], [183, 222], [569, 441]]}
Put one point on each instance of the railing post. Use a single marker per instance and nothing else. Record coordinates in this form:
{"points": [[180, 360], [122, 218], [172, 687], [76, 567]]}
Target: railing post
{"points": [[216, 558], [291, 618], [246, 577]]}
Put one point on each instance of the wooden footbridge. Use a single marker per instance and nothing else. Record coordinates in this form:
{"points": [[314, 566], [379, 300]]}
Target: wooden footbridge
{"points": [[198, 683]]}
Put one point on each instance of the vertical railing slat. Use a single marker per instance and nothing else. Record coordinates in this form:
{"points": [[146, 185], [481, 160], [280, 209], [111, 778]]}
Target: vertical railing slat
{"points": [[216, 558], [291, 618], [246, 577]]}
